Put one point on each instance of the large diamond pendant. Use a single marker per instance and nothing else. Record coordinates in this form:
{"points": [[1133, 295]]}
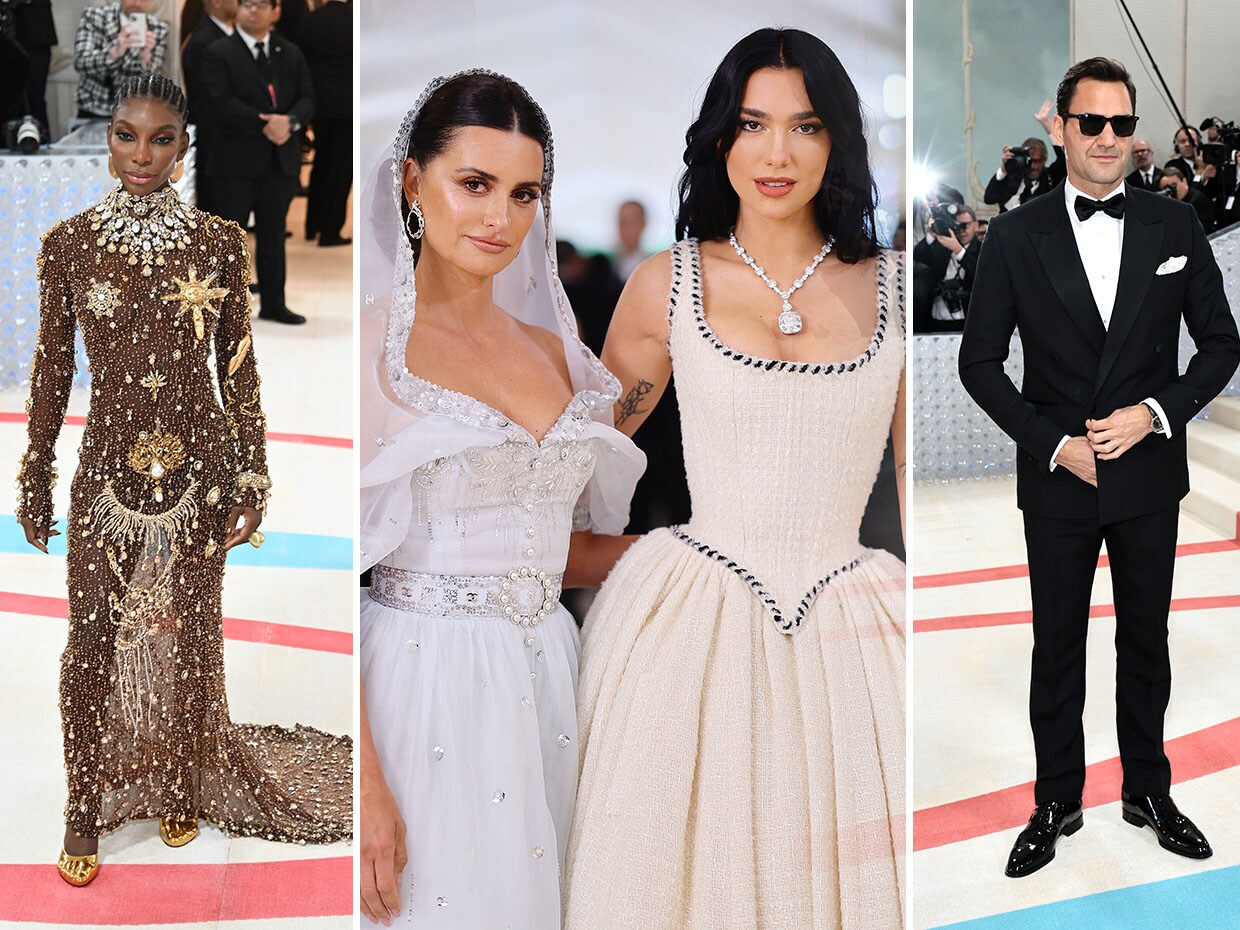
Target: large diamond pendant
{"points": [[789, 320]]}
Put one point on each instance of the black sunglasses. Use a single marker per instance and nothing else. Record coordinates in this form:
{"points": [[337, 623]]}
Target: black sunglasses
{"points": [[1092, 124]]}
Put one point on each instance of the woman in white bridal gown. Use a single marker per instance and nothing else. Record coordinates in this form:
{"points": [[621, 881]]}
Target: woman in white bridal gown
{"points": [[486, 440]]}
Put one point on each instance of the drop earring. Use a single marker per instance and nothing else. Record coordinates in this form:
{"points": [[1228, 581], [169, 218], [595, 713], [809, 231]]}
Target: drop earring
{"points": [[178, 172], [112, 169], [415, 210]]}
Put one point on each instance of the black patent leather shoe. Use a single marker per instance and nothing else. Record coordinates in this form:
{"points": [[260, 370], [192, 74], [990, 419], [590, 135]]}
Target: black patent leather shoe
{"points": [[282, 316], [1036, 844], [1175, 832]]}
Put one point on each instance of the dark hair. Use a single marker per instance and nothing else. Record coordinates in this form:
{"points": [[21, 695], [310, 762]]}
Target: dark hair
{"points": [[965, 208], [844, 205], [1192, 132], [1033, 142], [488, 100], [151, 85], [1173, 171], [1107, 70]]}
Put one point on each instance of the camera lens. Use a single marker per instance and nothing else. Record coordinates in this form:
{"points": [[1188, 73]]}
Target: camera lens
{"points": [[28, 136]]}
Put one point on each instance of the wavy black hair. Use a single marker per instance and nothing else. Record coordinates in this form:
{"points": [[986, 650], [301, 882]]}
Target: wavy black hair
{"points": [[483, 99], [844, 205]]}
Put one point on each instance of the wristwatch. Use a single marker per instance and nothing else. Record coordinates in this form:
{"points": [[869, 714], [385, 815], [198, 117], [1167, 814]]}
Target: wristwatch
{"points": [[294, 124], [1156, 423]]}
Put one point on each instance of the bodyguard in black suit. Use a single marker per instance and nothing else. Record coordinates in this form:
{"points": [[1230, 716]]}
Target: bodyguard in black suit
{"points": [[207, 31], [326, 38], [259, 87], [1097, 278]]}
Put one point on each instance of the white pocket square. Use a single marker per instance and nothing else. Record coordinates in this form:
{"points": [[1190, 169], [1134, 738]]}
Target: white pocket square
{"points": [[1172, 265]]}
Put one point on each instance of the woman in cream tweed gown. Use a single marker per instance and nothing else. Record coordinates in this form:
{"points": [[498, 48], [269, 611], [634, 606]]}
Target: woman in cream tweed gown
{"points": [[741, 701]]}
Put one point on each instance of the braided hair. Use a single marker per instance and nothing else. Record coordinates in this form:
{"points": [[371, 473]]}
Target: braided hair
{"points": [[151, 85]]}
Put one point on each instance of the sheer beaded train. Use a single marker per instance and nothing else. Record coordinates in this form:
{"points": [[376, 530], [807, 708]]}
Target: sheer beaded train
{"points": [[741, 701], [156, 287]]}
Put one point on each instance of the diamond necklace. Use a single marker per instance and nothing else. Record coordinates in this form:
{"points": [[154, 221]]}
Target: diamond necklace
{"points": [[789, 319]]}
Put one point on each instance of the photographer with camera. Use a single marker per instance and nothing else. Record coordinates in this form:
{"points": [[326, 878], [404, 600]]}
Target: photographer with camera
{"points": [[1218, 157], [112, 43], [1023, 170], [947, 261], [1175, 184]]}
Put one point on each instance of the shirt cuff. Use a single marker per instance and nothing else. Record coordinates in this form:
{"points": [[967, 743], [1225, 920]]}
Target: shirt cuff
{"points": [[1166, 430], [1062, 442], [1000, 174]]}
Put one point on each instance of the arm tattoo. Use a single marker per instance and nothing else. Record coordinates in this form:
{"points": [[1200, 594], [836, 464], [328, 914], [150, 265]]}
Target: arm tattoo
{"points": [[900, 469], [631, 405]]}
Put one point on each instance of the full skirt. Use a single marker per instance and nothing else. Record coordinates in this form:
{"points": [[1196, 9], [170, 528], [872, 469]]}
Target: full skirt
{"points": [[734, 776], [475, 726]]}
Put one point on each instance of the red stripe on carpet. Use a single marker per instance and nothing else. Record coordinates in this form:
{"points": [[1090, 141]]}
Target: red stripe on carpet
{"points": [[1193, 755], [975, 621], [174, 894], [248, 631], [304, 439], [1004, 572]]}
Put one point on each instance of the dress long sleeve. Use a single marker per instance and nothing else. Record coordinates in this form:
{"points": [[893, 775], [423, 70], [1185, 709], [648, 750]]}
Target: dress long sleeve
{"points": [[51, 378], [238, 376]]}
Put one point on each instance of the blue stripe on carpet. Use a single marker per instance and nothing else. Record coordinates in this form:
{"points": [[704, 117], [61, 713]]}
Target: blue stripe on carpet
{"points": [[280, 550], [1206, 901]]}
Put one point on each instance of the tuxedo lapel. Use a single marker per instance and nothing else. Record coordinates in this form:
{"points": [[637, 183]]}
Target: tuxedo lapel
{"points": [[1055, 246], [1143, 234]]}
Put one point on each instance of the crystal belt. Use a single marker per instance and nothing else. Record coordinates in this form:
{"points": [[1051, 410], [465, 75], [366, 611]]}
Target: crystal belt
{"points": [[525, 595]]}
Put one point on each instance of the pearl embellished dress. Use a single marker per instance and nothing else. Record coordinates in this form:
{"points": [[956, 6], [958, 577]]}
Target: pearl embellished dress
{"points": [[175, 437], [741, 704], [469, 662]]}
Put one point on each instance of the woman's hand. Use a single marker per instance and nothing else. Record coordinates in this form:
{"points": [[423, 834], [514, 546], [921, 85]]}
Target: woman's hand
{"points": [[236, 535], [383, 848], [38, 536]]}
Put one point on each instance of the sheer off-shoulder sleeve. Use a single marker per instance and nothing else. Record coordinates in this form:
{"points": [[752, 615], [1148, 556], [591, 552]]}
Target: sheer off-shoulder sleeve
{"points": [[51, 379], [237, 370]]}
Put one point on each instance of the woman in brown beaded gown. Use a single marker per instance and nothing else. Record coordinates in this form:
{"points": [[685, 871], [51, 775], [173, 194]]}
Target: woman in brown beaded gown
{"points": [[168, 480]]}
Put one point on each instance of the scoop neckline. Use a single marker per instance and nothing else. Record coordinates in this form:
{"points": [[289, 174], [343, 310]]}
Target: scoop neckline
{"points": [[881, 277]]}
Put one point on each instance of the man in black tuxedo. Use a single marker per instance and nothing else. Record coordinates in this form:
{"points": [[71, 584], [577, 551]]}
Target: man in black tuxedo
{"points": [[326, 38], [1145, 174], [259, 88], [1014, 184], [218, 21], [1096, 278]]}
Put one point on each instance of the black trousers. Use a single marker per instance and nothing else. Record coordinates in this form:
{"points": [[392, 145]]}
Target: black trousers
{"points": [[1063, 555], [330, 178], [268, 196]]}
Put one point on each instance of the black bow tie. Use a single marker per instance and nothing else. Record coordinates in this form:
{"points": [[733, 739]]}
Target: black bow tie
{"points": [[1086, 207]]}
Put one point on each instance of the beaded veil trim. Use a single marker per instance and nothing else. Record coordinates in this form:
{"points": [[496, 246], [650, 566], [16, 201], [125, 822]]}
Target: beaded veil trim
{"points": [[785, 624]]}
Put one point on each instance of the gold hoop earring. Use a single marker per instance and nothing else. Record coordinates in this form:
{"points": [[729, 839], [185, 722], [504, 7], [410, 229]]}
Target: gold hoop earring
{"points": [[112, 169], [178, 172]]}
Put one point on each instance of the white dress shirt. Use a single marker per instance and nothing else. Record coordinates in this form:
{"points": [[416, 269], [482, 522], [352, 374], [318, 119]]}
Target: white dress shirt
{"points": [[1100, 243], [252, 43], [1147, 176], [226, 27]]}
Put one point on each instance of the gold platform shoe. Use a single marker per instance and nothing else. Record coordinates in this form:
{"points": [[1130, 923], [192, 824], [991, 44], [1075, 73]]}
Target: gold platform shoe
{"points": [[177, 831], [78, 870]]}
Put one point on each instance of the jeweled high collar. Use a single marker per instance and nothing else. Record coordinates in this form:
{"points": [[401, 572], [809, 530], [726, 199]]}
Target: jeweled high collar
{"points": [[143, 228]]}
